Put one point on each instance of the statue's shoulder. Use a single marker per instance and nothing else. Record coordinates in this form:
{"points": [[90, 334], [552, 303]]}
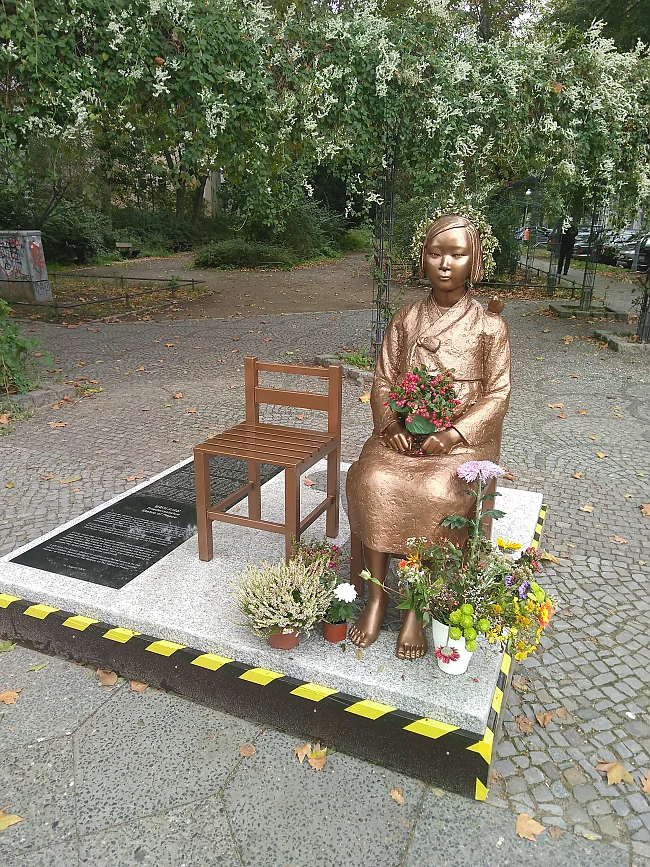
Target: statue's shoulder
{"points": [[408, 314]]}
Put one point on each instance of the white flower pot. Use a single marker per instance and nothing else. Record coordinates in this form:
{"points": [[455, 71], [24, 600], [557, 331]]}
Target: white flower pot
{"points": [[440, 634], [457, 666]]}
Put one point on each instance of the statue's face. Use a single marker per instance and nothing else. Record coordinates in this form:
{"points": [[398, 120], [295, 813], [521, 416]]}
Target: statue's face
{"points": [[448, 260]]}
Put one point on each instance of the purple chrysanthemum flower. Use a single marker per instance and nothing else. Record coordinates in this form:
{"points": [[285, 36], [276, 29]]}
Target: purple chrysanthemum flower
{"points": [[508, 581], [470, 471], [523, 590]]}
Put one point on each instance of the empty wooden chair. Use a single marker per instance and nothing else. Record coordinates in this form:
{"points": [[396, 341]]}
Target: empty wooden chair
{"points": [[294, 449]]}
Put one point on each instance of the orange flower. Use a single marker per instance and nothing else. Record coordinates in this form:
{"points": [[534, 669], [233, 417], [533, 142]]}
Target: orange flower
{"points": [[545, 613], [402, 564]]}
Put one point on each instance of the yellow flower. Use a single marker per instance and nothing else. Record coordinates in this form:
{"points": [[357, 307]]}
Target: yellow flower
{"points": [[506, 545], [530, 605], [496, 609]]}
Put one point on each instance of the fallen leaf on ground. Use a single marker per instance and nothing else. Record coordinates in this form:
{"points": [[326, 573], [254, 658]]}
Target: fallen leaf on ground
{"points": [[619, 540], [644, 782], [524, 724], [397, 794], [309, 482], [365, 398], [38, 667], [544, 718], [69, 480], [576, 476], [106, 678], [616, 773], [581, 412], [562, 415], [6, 646], [561, 713], [9, 696], [53, 424], [4, 418], [317, 757], [358, 653], [190, 410], [46, 477], [510, 477], [556, 405], [247, 750], [178, 395], [527, 827], [134, 478], [601, 455], [300, 416], [645, 509], [10, 485], [136, 686], [551, 558], [592, 437], [520, 684], [302, 751], [170, 344], [545, 330], [555, 832], [586, 509], [8, 819]]}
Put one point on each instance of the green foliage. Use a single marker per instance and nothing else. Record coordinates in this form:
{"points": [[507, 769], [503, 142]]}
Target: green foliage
{"points": [[356, 239], [17, 366], [86, 229], [625, 22], [358, 358], [240, 253], [310, 229]]}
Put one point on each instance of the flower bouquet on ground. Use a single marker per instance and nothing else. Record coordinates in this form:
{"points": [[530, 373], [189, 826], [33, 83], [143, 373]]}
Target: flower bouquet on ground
{"points": [[426, 399]]}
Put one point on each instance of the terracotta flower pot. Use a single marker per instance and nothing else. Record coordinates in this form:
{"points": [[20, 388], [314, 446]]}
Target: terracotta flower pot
{"points": [[284, 640], [335, 632]]}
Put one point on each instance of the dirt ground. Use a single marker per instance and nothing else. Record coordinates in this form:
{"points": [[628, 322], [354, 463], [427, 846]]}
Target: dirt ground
{"points": [[330, 285]]}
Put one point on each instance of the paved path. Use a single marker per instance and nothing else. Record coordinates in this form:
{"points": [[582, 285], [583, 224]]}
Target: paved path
{"points": [[106, 777], [617, 294]]}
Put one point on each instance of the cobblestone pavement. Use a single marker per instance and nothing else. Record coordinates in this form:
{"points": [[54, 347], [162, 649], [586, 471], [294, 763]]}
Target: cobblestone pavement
{"points": [[108, 777]]}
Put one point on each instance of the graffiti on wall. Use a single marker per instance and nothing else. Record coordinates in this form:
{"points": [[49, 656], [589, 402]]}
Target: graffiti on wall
{"points": [[11, 256], [37, 257]]}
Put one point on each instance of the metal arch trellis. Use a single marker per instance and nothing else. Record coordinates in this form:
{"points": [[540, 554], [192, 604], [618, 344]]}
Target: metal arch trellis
{"points": [[593, 254], [382, 270]]}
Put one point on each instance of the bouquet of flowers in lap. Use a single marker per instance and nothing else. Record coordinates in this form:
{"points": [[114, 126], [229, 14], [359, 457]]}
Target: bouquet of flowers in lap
{"points": [[426, 399]]}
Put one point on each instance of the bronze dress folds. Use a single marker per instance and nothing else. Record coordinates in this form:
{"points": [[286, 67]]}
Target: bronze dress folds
{"points": [[393, 496]]}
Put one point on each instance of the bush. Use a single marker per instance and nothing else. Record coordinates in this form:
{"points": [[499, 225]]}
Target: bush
{"points": [[86, 230], [17, 367], [238, 252], [155, 231], [356, 239]]}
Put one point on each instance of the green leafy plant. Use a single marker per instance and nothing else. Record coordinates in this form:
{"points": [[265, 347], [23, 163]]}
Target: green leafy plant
{"points": [[358, 358], [238, 252], [356, 239], [18, 371], [284, 597]]}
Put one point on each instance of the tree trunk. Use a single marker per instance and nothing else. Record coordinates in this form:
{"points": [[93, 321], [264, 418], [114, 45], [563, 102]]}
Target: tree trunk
{"points": [[180, 200], [197, 210]]}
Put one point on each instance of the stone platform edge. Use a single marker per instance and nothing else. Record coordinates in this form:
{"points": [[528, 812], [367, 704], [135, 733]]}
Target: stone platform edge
{"points": [[434, 752]]}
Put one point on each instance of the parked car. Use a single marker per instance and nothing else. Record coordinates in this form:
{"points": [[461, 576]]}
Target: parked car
{"points": [[538, 234], [627, 251], [613, 242], [587, 244]]}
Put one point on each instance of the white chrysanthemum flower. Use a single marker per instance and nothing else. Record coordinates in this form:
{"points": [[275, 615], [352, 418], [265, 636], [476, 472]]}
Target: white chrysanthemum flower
{"points": [[345, 592]]}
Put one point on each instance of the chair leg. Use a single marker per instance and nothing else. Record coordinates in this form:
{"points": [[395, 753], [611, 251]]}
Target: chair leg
{"points": [[356, 563], [333, 490], [291, 508], [255, 496], [203, 499]]}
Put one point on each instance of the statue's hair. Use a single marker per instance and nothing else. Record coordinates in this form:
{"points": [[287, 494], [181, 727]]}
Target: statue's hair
{"points": [[455, 221]]}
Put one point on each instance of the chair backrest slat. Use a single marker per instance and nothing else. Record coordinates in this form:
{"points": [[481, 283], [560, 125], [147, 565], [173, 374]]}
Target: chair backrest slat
{"points": [[302, 399], [329, 403]]}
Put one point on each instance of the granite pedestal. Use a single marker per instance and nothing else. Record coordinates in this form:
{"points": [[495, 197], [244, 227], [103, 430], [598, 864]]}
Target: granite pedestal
{"points": [[175, 626]]}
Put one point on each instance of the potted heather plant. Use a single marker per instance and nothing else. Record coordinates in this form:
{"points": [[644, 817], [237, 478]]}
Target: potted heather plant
{"points": [[281, 600]]}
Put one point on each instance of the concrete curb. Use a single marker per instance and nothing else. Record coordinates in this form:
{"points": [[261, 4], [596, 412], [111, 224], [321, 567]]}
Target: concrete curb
{"points": [[567, 311], [617, 343], [354, 374], [41, 397]]}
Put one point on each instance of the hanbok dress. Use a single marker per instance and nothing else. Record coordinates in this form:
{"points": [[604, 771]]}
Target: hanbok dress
{"points": [[393, 496]]}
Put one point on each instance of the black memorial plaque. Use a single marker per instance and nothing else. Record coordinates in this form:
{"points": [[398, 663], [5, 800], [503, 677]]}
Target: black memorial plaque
{"points": [[119, 542]]}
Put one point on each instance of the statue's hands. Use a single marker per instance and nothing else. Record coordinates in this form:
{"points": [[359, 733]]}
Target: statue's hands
{"points": [[441, 443], [398, 438]]}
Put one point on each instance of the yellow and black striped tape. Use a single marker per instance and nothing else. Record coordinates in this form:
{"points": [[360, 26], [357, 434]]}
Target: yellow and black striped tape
{"points": [[539, 526], [443, 734]]}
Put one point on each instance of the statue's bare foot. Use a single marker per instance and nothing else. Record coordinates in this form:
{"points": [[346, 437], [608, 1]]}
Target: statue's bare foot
{"points": [[366, 629], [411, 641]]}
